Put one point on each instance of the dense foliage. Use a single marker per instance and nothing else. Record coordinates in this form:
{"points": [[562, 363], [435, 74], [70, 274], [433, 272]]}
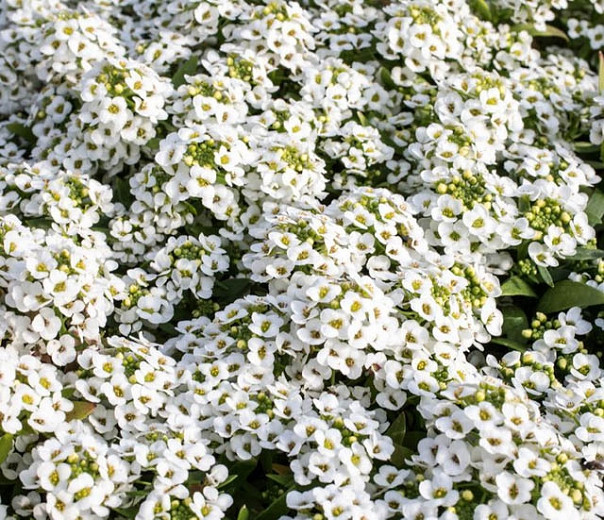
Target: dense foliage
{"points": [[327, 260]]}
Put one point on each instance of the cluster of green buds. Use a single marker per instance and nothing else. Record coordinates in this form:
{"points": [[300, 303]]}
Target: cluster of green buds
{"points": [[189, 251], [560, 475], [496, 395], [78, 192], [486, 81], [348, 437], [202, 87], [240, 68], [135, 293], [180, 509], [82, 462], [272, 492], [546, 212], [466, 505], [114, 80], [265, 404], [458, 137], [528, 359], [130, 361], [539, 325], [526, 267], [205, 308], [273, 9], [292, 157], [468, 188], [422, 14], [202, 153]]}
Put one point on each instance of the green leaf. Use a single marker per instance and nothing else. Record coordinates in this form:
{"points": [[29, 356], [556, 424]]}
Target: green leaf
{"points": [[282, 480], [244, 513], [189, 68], [240, 471], [386, 78], [122, 191], [549, 32], [595, 208], [127, 513], [153, 144], [585, 253], [398, 429], [585, 147], [277, 509], [81, 410], [510, 343], [231, 478], [601, 72], [227, 291], [545, 275], [400, 455], [23, 131], [6, 444], [482, 9], [567, 294], [514, 322], [524, 204], [516, 286]]}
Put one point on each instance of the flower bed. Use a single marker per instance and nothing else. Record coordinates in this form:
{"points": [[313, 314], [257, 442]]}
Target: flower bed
{"points": [[327, 260]]}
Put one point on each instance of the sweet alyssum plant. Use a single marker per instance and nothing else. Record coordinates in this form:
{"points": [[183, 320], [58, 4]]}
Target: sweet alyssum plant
{"points": [[326, 260]]}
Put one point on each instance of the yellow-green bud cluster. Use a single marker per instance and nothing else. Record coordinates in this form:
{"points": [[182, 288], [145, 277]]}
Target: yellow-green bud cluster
{"points": [[467, 188], [538, 326], [546, 212], [241, 69]]}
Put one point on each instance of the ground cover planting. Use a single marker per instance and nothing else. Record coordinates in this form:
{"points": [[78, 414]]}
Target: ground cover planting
{"points": [[316, 260]]}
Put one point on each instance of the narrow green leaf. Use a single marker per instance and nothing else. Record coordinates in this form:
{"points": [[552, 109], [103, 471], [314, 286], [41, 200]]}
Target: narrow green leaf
{"points": [[81, 410], [510, 343], [231, 478], [189, 68], [398, 429], [386, 78], [127, 513], [240, 470], [22, 131], [584, 253], [400, 455], [227, 291], [514, 322], [545, 275], [244, 513], [6, 444], [549, 32], [282, 480], [585, 147], [595, 208], [524, 204], [153, 144], [482, 9], [601, 72], [567, 294], [277, 509], [121, 190], [516, 286]]}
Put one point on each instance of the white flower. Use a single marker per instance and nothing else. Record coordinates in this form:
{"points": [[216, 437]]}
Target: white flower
{"points": [[555, 505], [46, 323], [512, 489]]}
